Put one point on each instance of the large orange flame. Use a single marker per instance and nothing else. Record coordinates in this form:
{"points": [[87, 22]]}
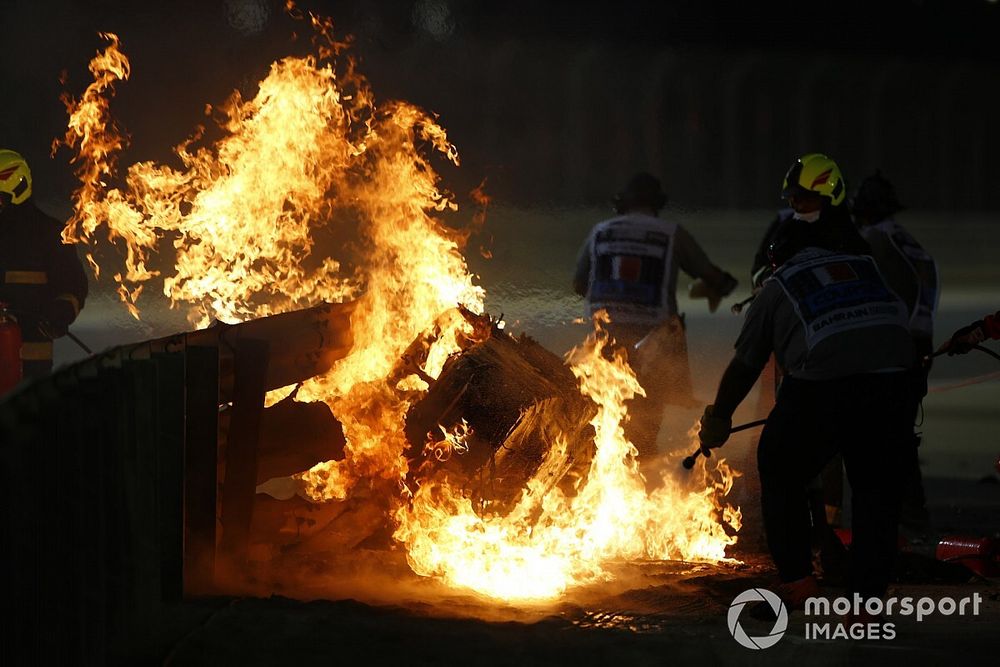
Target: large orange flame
{"points": [[239, 215], [242, 213]]}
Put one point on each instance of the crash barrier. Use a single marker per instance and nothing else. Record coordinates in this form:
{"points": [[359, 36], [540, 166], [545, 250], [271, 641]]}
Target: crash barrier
{"points": [[113, 504]]}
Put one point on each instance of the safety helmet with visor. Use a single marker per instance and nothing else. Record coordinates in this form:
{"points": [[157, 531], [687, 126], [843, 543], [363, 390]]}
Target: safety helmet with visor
{"points": [[814, 174], [15, 177]]}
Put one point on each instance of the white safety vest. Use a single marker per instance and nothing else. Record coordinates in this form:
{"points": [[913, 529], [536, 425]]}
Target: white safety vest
{"points": [[924, 271], [835, 293], [631, 260]]}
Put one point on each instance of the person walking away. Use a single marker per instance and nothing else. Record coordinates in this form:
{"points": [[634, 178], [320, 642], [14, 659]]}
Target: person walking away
{"points": [[628, 267]]}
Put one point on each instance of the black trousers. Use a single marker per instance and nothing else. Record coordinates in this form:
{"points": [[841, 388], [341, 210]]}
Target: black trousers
{"points": [[867, 419]]}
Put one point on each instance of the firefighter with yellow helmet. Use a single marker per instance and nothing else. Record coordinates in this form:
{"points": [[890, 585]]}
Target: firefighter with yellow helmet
{"points": [[41, 279], [816, 194]]}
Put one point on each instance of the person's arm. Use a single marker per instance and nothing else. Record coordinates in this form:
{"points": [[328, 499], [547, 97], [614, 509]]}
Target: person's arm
{"points": [[694, 262], [581, 278], [736, 383], [963, 340], [753, 349], [717, 421]]}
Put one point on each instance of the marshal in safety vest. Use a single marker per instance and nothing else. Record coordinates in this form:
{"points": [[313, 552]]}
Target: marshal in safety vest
{"points": [[629, 266], [631, 257], [836, 293]]}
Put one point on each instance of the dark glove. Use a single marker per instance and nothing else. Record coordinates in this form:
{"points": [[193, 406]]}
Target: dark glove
{"points": [[963, 340], [56, 318], [714, 429]]}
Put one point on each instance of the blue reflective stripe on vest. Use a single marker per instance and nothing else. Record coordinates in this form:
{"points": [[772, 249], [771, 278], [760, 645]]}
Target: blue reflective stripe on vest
{"points": [[836, 293], [631, 260]]}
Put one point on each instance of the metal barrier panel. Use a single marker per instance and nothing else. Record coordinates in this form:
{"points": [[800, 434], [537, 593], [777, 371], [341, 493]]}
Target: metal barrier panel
{"points": [[201, 431]]}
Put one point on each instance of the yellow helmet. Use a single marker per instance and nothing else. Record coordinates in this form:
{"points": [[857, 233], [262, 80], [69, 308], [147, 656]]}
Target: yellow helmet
{"points": [[15, 177], [815, 172]]}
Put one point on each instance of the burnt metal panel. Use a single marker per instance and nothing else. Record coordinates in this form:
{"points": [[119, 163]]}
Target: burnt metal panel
{"points": [[201, 431], [169, 460], [250, 369], [138, 459]]}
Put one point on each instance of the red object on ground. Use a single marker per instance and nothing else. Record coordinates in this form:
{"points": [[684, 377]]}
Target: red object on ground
{"points": [[991, 325], [996, 464], [11, 370], [979, 554]]}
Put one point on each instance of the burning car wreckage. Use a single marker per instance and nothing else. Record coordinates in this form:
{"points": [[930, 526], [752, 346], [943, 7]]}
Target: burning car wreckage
{"points": [[495, 465], [504, 425], [486, 424]]}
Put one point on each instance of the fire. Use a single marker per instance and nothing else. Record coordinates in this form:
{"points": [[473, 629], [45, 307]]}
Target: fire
{"points": [[228, 231], [551, 541], [308, 152], [241, 213], [455, 441]]}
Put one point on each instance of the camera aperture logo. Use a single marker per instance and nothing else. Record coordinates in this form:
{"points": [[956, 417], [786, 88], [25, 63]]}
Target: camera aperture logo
{"points": [[859, 618], [757, 595]]}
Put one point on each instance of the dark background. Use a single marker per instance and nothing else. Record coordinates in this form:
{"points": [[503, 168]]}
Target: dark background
{"points": [[559, 102]]}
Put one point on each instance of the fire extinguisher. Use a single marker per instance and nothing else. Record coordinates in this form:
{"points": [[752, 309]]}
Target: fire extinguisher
{"points": [[11, 370], [979, 554]]}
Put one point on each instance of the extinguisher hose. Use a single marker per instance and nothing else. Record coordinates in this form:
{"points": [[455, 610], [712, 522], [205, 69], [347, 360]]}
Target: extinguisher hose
{"points": [[987, 351], [83, 346]]}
